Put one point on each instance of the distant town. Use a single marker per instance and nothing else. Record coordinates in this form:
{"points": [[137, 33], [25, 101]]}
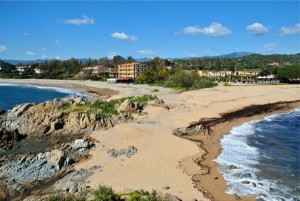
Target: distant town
{"points": [[176, 73]]}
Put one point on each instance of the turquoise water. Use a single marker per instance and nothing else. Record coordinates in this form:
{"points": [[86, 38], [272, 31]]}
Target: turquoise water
{"points": [[12, 95]]}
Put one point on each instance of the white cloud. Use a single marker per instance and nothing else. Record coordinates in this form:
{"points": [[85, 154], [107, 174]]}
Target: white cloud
{"points": [[286, 31], [44, 56], [30, 53], [257, 29], [57, 58], [215, 29], [146, 52], [3, 48], [270, 47], [112, 54], [80, 21], [123, 36], [44, 48], [57, 42]]}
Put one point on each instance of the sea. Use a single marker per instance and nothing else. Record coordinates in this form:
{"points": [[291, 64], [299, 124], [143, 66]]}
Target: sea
{"points": [[12, 95], [262, 158]]}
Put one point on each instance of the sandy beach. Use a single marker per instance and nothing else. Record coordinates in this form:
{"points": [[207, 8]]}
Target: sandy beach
{"points": [[165, 162]]}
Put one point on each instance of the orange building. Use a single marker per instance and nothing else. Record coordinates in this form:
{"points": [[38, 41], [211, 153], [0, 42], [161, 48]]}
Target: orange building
{"points": [[132, 70]]}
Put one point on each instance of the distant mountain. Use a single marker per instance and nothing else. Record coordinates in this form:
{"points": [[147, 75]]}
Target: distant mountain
{"points": [[145, 59], [15, 62], [231, 55], [142, 59], [236, 54]]}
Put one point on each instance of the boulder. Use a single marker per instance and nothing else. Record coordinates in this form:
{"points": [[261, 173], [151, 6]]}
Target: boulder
{"points": [[80, 143], [56, 157], [246, 175], [126, 105], [73, 182], [20, 109]]}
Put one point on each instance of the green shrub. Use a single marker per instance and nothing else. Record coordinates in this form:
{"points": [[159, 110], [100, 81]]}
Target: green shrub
{"points": [[188, 80], [105, 193], [141, 195], [226, 84], [68, 197], [203, 83]]}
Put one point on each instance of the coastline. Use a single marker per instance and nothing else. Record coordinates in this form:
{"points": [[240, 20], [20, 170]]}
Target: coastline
{"points": [[92, 92], [152, 135], [215, 185]]}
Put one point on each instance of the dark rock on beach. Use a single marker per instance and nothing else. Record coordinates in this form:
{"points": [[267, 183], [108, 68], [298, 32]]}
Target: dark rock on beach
{"points": [[129, 151]]}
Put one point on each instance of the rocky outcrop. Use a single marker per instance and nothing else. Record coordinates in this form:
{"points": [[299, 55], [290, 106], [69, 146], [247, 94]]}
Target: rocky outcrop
{"points": [[132, 105], [49, 118], [32, 168], [23, 171], [75, 181]]}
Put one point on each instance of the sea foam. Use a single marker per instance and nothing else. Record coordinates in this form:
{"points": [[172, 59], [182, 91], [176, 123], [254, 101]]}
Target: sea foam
{"points": [[240, 164]]}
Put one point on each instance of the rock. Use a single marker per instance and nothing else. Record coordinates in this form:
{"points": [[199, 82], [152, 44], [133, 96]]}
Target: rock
{"points": [[95, 168], [56, 125], [253, 184], [74, 181], [245, 182], [20, 109], [126, 105], [33, 168], [78, 100], [246, 175], [232, 167], [80, 143], [56, 157], [73, 187], [113, 153], [90, 196], [182, 130], [170, 197], [129, 151], [166, 187]]}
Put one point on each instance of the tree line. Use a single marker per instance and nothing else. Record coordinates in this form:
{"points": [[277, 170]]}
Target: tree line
{"points": [[68, 69]]}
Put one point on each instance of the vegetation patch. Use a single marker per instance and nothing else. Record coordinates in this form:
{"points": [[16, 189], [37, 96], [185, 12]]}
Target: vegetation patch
{"points": [[188, 81], [106, 108], [104, 193]]}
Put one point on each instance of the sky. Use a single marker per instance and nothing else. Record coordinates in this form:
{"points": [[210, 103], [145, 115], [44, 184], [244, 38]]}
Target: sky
{"points": [[167, 29]]}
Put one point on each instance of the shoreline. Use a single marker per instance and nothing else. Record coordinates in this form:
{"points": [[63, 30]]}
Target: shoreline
{"points": [[215, 186], [175, 158], [92, 92]]}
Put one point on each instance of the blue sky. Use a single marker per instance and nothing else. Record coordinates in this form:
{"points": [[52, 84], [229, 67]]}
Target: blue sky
{"points": [[168, 29]]}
